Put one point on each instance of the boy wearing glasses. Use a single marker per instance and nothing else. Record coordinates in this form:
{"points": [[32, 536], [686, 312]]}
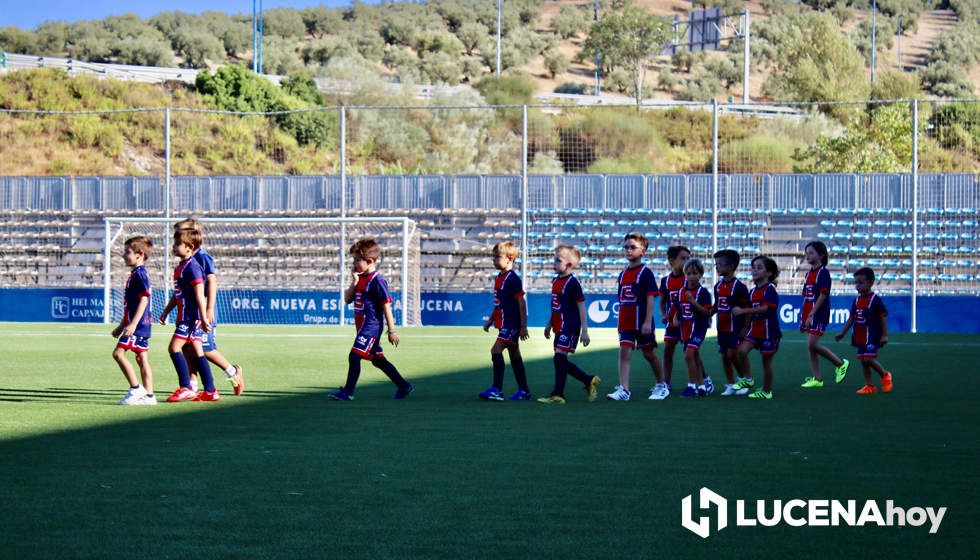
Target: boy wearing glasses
{"points": [[637, 290]]}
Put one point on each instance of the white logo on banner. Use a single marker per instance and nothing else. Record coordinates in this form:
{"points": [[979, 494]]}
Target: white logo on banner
{"points": [[599, 311]]}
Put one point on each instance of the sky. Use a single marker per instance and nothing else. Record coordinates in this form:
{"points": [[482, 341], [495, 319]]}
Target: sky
{"points": [[28, 14]]}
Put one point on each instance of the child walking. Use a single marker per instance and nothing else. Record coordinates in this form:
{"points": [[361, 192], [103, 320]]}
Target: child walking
{"points": [[135, 325], [868, 317]]}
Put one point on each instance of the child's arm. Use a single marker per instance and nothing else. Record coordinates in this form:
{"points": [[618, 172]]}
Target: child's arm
{"points": [[663, 307], [171, 303], [821, 299], [202, 304], [522, 304], [131, 327], [211, 290], [390, 318], [547, 329], [884, 331], [647, 326], [584, 317], [697, 306], [489, 323], [349, 292], [119, 328], [847, 327], [761, 310]]}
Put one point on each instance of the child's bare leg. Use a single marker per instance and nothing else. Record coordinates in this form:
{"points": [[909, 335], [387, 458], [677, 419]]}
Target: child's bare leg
{"points": [[669, 346], [625, 355], [767, 371], [866, 368], [119, 354], [143, 360], [694, 374], [816, 350], [876, 365], [728, 364], [742, 355], [655, 365], [218, 359]]}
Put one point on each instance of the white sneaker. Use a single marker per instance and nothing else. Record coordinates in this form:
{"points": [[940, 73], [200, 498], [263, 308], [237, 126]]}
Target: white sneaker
{"points": [[619, 394], [659, 392], [729, 390], [133, 395], [147, 400]]}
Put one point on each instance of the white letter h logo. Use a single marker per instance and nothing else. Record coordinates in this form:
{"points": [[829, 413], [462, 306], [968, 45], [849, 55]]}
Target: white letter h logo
{"points": [[705, 498]]}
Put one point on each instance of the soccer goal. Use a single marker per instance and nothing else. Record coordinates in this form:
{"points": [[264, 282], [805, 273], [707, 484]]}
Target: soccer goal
{"points": [[274, 270]]}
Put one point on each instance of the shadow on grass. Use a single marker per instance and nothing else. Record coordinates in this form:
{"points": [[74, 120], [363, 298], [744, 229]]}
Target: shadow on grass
{"points": [[445, 475]]}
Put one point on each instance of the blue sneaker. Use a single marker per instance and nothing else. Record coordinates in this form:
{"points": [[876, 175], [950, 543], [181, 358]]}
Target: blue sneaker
{"points": [[403, 392], [491, 394], [520, 395], [340, 395], [708, 385], [689, 392]]}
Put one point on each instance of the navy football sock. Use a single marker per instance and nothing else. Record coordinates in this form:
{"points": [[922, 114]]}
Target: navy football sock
{"points": [[180, 364], [498, 371], [577, 372], [353, 372], [561, 366], [390, 370], [204, 370], [520, 374]]}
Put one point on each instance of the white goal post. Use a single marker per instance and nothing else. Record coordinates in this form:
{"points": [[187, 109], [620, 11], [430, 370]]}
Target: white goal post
{"points": [[273, 270]]}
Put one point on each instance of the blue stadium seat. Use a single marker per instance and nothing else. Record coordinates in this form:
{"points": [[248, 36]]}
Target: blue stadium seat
{"points": [[606, 223], [964, 277], [947, 262], [927, 277], [905, 277], [945, 277], [889, 276]]}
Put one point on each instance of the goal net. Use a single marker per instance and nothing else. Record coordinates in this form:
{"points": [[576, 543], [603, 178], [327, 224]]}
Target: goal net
{"points": [[274, 270]]}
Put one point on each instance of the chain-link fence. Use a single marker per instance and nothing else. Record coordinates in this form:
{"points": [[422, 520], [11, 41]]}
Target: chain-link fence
{"points": [[887, 184]]}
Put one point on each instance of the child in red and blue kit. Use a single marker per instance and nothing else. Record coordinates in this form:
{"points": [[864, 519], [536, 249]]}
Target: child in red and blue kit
{"points": [[730, 293], [189, 299], [569, 321], [368, 291], [868, 317], [509, 316], [135, 326], [816, 315], [692, 318], [637, 290], [762, 331]]}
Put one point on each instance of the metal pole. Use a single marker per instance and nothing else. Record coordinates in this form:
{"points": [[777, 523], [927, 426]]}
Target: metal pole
{"points": [[106, 273], [260, 37], [874, 36], [899, 31], [498, 38], [598, 58], [915, 213], [524, 193], [166, 157], [714, 183], [745, 60], [405, 272], [255, 48], [343, 209]]}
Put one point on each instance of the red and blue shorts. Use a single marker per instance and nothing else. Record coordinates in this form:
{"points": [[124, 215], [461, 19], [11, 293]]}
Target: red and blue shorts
{"points": [[767, 347], [635, 339], [135, 343]]}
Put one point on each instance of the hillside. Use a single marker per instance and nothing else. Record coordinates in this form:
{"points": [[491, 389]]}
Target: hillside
{"points": [[452, 41]]}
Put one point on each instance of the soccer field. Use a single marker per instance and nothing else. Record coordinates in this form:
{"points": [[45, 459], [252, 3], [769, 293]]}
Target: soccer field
{"points": [[283, 472]]}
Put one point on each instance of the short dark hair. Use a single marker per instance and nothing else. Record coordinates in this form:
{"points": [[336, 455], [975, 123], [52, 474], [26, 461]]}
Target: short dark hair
{"points": [[821, 250], [866, 272], [728, 256], [191, 237], [366, 249], [771, 267], [140, 244], [675, 250]]}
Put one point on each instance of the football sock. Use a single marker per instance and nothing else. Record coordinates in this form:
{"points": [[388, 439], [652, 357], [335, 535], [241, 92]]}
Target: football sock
{"points": [[180, 364], [520, 374], [353, 372], [204, 369], [577, 372], [390, 370], [498, 371], [561, 367]]}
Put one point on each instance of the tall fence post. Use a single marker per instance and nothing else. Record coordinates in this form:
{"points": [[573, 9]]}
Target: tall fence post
{"points": [[106, 273], [915, 213], [746, 59], [524, 203], [342, 306], [714, 182], [166, 157]]}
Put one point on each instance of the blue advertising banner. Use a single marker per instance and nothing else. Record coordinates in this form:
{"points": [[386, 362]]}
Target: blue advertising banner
{"points": [[952, 314]]}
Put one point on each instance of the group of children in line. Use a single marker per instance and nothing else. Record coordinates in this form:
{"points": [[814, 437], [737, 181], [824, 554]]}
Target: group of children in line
{"points": [[193, 347], [746, 320]]}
